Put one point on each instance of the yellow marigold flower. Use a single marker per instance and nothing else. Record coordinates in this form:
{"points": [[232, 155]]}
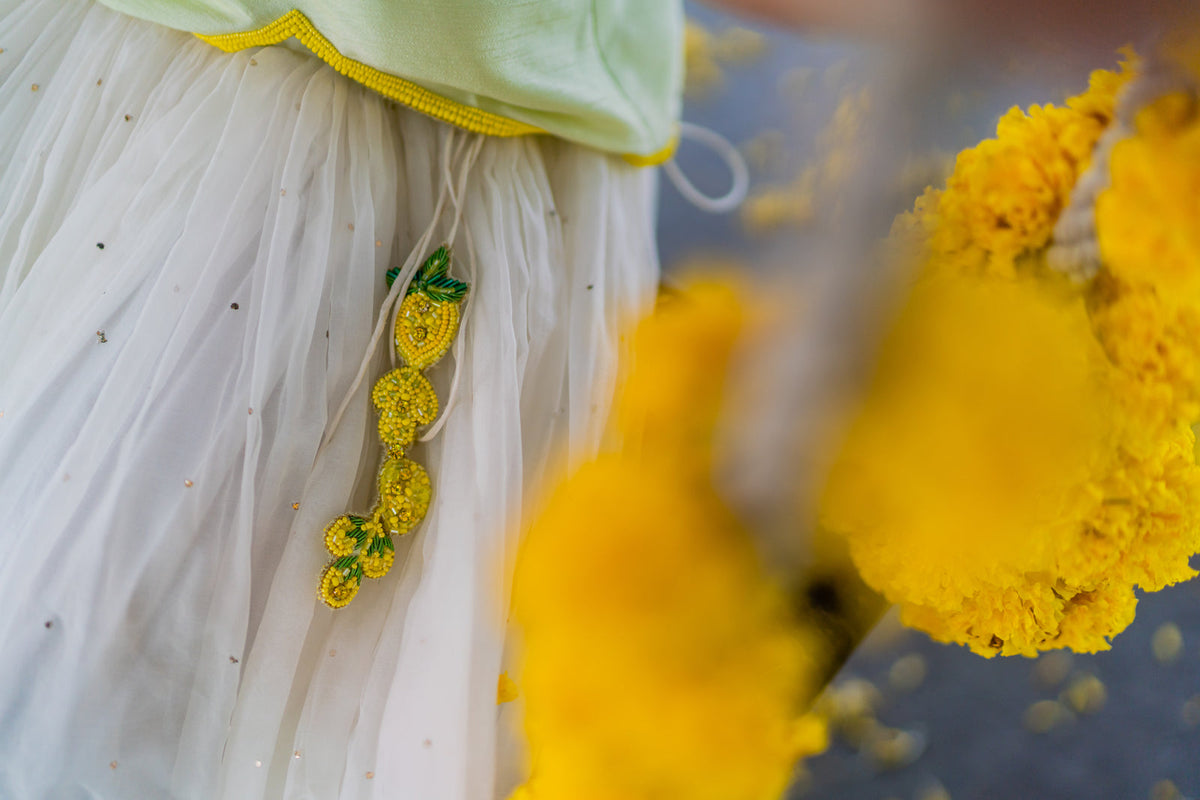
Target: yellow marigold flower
{"points": [[1096, 614], [1153, 503], [659, 659], [996, 484], [337, 587], [1155, 346], [1148, 220], [653, 642], [1023, 459], [672, 397], [339, 539], [1004, 196], [963, 479], [1100, 99]]}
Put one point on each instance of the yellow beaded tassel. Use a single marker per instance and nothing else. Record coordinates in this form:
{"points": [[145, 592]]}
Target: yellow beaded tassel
{"points": [[426, 325]]}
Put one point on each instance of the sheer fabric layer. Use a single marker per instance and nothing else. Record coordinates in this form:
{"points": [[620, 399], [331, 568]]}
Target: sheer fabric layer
{"points": [[192, 249]]}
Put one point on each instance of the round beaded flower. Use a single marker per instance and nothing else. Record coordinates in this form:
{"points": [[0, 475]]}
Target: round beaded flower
{"points": [[339, 537], [346, 534], [339, 584], [377, 564], [405, 401]]}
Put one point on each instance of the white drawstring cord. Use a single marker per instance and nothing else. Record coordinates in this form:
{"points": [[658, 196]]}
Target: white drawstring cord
{"points": [[404, 276], [729, 154], [456, 190], [390, 307], [459, 201]]}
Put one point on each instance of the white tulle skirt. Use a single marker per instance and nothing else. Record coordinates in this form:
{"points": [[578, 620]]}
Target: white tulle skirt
{"points": [[192, 258]]}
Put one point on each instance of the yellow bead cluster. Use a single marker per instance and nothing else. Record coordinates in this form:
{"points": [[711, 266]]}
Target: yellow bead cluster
{"points": [[295, 24], [362, 546], [339, 539], [376, 565], [405, 401], [338, 586], [425, 328], [403, 499]]}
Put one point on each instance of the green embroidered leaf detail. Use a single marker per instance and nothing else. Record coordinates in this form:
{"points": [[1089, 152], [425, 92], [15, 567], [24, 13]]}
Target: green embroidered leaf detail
{"points": [[432, 279], [433, 274], [445, 288], [436, 265]]}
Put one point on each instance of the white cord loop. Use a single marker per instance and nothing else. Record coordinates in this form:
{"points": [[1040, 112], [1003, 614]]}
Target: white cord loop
{"points": [[454, 148], [740, 173]]}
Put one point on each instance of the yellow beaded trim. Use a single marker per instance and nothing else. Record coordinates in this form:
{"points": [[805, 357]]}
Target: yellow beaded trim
{"points": [[295, 25], [426, 324], [654, 159]]}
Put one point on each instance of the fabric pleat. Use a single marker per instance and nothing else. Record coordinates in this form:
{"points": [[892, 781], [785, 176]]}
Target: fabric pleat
{"points": [[192, 257]]}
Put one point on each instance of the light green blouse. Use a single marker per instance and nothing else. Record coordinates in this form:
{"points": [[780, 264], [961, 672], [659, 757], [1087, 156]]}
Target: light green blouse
{"points": [[604, 73]]}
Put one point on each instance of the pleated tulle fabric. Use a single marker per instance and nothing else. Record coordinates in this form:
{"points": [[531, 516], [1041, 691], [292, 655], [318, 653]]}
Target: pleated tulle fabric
{"points": [[192, 258]]}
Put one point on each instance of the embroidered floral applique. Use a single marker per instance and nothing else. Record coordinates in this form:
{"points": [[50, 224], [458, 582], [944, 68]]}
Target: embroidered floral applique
{"points": [[426, 324]]}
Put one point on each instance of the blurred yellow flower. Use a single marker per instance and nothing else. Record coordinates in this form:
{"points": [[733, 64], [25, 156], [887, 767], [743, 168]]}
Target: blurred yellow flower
{"points": [[1148, 228], [659, 659], [964, 477], [1149, 218]]}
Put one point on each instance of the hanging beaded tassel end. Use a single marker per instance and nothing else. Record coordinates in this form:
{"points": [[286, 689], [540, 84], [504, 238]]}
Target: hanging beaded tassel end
{"points": [[425, 327]]}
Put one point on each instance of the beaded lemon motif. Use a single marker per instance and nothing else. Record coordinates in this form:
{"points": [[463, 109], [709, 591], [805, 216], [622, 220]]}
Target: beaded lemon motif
{"points": [[426, 324]]}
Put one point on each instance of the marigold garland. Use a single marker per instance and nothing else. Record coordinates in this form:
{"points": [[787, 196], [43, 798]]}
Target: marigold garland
{"points": [[1024, 457], [1022, 461]]}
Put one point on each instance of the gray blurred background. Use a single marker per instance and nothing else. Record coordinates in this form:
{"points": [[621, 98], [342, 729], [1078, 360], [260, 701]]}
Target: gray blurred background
{"points": [[917, 719]]}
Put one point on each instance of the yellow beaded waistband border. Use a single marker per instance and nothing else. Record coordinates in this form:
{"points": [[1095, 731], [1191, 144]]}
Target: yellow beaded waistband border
{"points": [[295, 24]]}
